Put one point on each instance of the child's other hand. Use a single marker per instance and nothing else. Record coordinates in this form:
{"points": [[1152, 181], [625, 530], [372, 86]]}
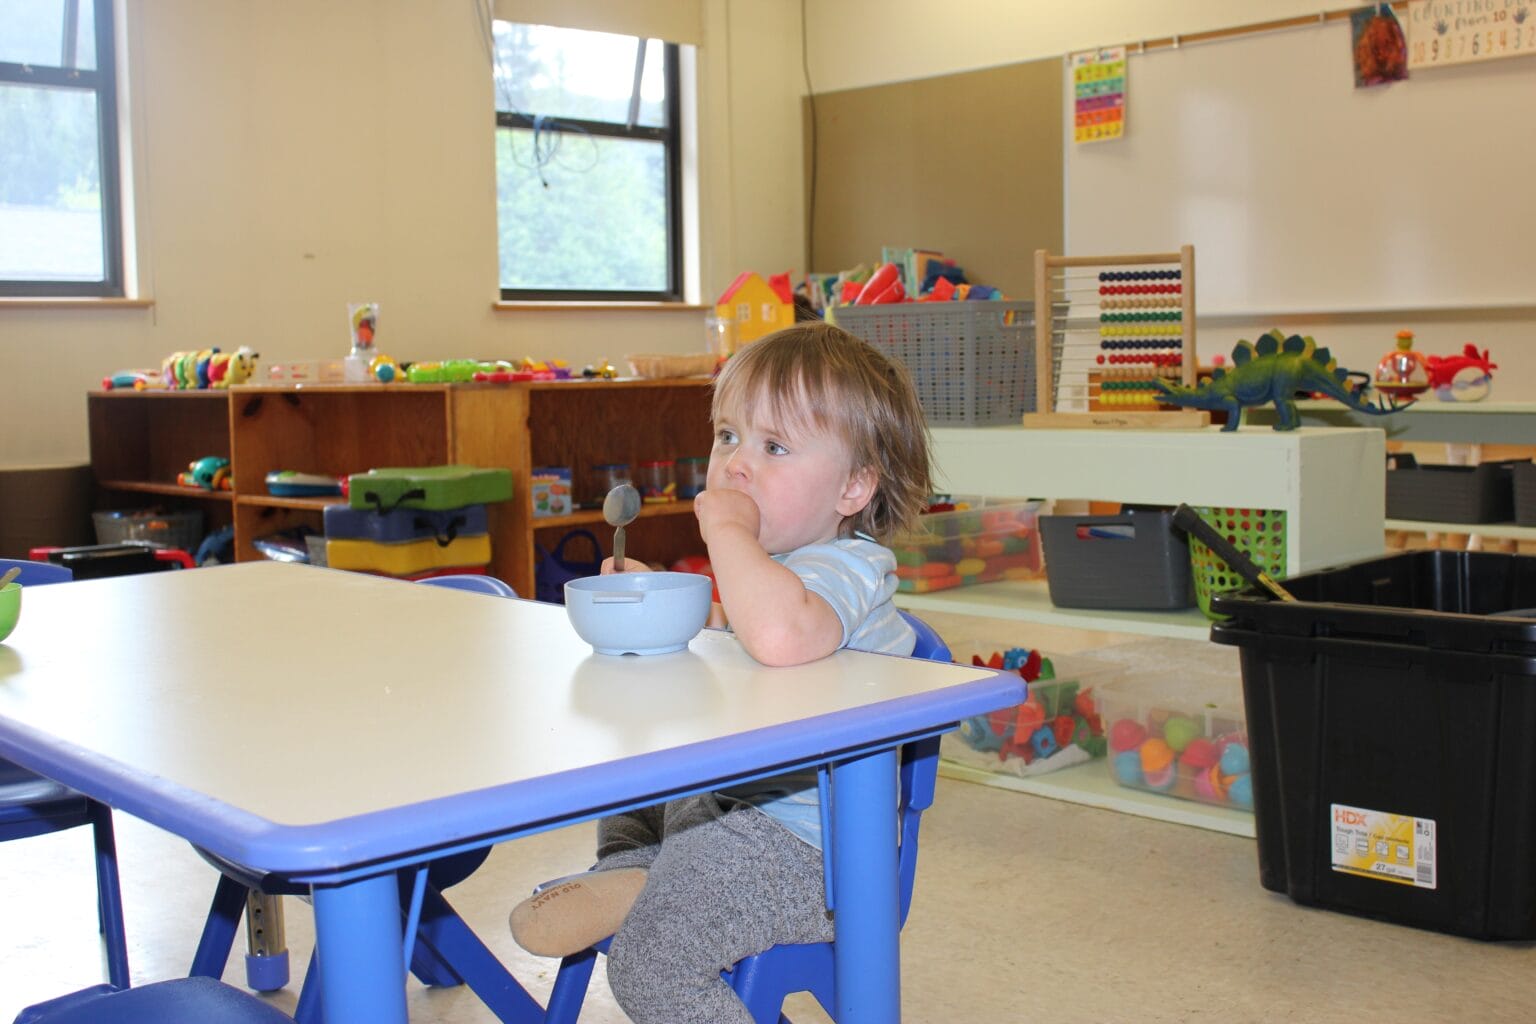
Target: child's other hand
{"points": [[721, 507]]}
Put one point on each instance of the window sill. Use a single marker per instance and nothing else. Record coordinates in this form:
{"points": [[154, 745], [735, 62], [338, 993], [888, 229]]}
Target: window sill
{"points": [[599, 307], [71, 302]]}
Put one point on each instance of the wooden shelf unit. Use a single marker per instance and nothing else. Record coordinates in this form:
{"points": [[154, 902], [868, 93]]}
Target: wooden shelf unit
{"points": [[141, 440]]}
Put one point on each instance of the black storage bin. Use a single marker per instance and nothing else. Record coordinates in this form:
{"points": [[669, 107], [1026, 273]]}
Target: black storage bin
{"points": [[1525, 493], [1134, 561], [99, 561], [1392, 710], [1450, 494]]}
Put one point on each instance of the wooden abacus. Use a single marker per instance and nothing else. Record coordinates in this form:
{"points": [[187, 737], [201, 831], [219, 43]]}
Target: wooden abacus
{"points": [[1102, 338]]}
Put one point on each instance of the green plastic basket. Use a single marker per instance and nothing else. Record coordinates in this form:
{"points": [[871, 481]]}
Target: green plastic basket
{"points": [[1258, 533]]}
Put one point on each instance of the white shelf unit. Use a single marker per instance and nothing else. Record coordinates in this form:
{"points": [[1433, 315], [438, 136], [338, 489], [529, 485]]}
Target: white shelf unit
{"points": [[1329, 481], [1029, 601], [1089, 784]]}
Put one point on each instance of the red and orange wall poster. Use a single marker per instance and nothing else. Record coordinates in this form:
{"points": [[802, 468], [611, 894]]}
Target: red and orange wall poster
{"points": [[1442, 32], [1098, 86]]}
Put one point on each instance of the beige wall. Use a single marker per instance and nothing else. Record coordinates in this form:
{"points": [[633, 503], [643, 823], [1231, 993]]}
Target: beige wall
{"points": [[292, 157], [871, 42], [860, 43]]}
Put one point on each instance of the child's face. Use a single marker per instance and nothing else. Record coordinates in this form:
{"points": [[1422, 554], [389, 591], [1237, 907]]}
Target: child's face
{"points": [[801, 480]]}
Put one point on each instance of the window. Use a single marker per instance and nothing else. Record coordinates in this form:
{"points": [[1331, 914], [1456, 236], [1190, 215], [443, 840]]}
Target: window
{"points": [[588, 183], [60, 226]]}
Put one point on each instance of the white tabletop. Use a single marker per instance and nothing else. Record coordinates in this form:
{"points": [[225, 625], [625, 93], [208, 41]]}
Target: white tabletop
{"points": [[248, 706]]}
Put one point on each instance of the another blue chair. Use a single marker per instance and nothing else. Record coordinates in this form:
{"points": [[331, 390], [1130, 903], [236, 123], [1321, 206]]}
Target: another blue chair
{"points": [[31, 805], [445, 951], [182, 1001], [763, 981]]}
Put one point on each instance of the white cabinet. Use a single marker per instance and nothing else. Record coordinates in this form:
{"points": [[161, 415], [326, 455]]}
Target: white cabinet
{"points": [[1329, 481]]}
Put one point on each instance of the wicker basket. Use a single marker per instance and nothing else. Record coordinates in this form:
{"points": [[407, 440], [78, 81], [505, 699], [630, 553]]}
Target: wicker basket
{"points": [[689, 364]]}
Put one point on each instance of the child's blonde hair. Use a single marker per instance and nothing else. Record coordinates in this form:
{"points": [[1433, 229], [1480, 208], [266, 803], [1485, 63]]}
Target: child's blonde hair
{"points": [[817, 376]]}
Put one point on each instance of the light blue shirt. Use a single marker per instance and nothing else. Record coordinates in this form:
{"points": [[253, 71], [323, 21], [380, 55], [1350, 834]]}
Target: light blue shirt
{"points": [[857, 577]]}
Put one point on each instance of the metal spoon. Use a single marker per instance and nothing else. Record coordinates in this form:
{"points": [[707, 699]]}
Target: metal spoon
{"points": [[620, 508]]}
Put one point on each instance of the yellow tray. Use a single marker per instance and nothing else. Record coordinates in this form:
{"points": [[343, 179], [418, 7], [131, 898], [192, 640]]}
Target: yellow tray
{"points": [[408, 558]]}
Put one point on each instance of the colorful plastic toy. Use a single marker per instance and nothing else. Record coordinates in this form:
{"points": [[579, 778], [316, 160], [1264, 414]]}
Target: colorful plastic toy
{"points": [[1464, 378], [1402, 372], [226, 369], [384, 369], [289, 483], [211, 473], [138, 380], [1273, 370]]}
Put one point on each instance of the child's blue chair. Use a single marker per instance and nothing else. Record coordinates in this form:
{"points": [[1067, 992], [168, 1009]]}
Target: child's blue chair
{"points": [[445, 952], [763, 981], [31, 805], [180, 1001]]}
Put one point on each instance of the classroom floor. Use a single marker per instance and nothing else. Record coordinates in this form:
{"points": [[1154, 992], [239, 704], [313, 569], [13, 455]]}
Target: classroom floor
{"points": [[1026, 909]]}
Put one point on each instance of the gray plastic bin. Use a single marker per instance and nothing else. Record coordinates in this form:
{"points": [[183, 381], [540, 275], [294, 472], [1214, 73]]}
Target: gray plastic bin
{"points": [[1450, 494], [1130, 562], [972, 363]]}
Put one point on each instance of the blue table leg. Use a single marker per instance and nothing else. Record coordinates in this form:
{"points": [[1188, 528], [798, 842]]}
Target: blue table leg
{"points": [[868, 971], [362, 975]]}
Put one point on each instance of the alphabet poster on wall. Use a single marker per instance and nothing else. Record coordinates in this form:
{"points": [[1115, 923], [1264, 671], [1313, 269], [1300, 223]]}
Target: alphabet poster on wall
{"points": [[1444, 32], [1098, 83]]}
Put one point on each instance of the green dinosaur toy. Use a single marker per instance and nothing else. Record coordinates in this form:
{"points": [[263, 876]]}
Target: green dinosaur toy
{"points": [[1274, 370]]}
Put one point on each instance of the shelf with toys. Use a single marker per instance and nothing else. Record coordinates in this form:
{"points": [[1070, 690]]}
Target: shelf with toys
{"points": [[1328, 482], [142, 440]]}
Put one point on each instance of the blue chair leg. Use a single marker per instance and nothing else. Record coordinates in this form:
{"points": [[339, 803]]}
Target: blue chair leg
{"points": [[429, 968], [308, 1010], [570, 988], [219, 930], [109, 898], [444, 936]]}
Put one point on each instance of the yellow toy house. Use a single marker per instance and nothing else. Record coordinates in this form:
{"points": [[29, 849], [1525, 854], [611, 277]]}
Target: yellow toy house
{"points": [[757, 306]]}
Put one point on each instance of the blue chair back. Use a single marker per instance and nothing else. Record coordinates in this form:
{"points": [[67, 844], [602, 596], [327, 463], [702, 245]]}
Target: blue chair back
{"points": [[36, 574], [31, 805], [473, 582], [930, 646], [763, 981]]}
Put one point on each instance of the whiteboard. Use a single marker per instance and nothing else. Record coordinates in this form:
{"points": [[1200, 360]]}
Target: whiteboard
{"points": [[1303, 194]]}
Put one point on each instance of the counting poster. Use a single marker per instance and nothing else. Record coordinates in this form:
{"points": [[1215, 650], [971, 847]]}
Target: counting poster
{"points": [[1098, 82], [1442, 32]]}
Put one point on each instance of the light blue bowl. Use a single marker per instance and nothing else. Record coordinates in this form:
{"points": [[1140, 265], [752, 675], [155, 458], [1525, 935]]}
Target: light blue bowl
{"points": [[638, 612]]}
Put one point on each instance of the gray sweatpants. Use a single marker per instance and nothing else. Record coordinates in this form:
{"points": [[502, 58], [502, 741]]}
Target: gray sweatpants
{"points": [[722, 885]]}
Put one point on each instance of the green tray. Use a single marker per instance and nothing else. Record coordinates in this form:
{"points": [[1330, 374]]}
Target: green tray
{"points": [[428, 487]]}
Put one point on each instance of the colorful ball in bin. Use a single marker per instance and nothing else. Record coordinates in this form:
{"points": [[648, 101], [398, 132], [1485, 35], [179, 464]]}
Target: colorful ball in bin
{"points": [[1234, 759], [1126, 734], [1159, 768], [1205, 789], [1179, 730], [1217, 783], [1240, 790], [1162, 781], [1199, 754], [1127, 765]]}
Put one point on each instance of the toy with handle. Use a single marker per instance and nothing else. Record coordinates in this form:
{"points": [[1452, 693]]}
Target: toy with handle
{"points": [[1188, 520]]}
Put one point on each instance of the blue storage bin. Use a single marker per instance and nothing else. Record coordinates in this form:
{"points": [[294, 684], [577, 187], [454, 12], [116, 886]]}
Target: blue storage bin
{"points": [[403, 524]]}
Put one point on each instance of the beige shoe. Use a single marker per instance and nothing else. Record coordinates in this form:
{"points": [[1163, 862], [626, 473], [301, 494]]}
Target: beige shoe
{"points": [[570, 915]]}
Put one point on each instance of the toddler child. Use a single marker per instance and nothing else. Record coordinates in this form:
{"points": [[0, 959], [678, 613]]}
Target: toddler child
{"points": [[820, 455]]}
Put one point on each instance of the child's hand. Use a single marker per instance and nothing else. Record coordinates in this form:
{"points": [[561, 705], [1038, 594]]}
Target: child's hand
{"points": [[718, 508], [630, 565]]}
